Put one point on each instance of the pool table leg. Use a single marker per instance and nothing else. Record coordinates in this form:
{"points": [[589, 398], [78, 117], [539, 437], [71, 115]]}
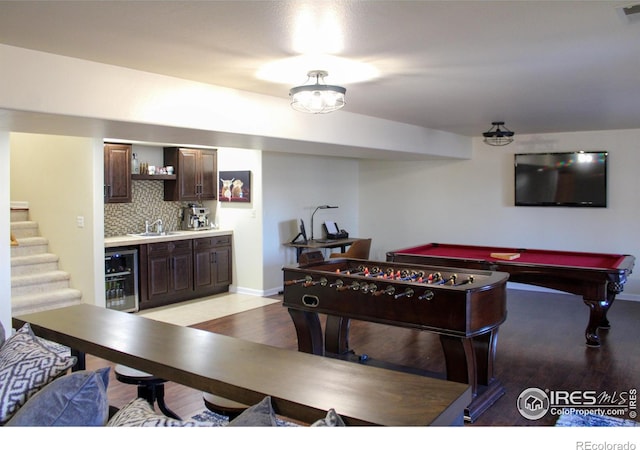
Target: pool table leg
{"points": [[597, 318], [613, 289]]}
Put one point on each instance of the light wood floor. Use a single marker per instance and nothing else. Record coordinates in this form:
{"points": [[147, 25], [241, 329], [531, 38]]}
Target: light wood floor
{"points": [[540, 345]]}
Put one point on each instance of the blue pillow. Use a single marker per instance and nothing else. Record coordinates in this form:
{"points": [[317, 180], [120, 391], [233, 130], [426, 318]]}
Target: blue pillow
{"points": [[259, 415], [75, 400], [332, 419]]}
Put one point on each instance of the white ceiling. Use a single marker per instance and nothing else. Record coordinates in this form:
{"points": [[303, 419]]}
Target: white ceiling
{"points": [[541, 66]]}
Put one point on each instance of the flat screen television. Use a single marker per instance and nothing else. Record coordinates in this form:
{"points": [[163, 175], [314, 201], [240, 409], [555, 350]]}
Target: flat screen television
{"points": [[561, 179]]}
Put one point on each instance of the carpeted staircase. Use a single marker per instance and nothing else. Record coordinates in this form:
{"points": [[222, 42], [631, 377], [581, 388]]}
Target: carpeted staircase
{"points": [[36, 282]]}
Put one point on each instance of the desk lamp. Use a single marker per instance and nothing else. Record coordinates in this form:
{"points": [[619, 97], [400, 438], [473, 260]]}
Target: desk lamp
{"points": [[314, 213]]}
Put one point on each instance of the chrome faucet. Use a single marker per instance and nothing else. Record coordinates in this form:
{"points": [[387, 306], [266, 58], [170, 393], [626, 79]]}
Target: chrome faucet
{"points": [[157, 224]]}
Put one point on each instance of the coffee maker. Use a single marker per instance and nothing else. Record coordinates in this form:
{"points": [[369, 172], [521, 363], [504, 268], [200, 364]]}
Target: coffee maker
{"points": [[194, 218]]}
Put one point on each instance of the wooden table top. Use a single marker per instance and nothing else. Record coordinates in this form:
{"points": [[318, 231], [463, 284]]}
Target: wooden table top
{"points": [[302, 386]]}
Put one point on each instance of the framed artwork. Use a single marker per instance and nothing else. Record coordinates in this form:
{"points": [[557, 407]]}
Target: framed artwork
{"points": [[235, 186]]}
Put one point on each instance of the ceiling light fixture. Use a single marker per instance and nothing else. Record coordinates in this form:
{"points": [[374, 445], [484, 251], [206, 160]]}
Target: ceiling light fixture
{"points": [[318, 98], [497, 136]]}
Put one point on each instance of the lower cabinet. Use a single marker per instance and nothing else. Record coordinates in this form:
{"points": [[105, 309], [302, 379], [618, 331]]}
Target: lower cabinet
{"points": [[176, 271], [211, 264]]}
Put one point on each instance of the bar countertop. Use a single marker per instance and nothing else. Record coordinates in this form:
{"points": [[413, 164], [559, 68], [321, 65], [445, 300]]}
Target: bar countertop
{"points": [[133, 239]]}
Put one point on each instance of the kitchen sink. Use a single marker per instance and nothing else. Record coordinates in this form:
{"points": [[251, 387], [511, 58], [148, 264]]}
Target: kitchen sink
{"points": [[154, 234]]}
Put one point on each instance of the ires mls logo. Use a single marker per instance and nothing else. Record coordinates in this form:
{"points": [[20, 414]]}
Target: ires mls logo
{"points": [[534, 403]]}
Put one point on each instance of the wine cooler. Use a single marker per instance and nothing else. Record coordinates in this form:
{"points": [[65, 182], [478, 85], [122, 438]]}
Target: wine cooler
{"points": [[121, 279]]}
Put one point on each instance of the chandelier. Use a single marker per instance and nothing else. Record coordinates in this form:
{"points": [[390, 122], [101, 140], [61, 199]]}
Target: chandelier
{"points": [[497, 136], [318, 98]]}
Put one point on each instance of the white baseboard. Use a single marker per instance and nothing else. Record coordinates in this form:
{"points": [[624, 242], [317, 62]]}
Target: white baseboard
{"points": [[255, 292]]}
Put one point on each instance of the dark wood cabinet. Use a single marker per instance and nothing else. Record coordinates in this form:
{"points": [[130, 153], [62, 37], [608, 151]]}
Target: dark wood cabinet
{"points": [[185, 269], [212, 264], [196, 174], [117, 173], [166, 272]]}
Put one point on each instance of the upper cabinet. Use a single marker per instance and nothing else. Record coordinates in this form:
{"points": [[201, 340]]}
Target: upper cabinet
{"points": [[196, 174], [117, 173]]}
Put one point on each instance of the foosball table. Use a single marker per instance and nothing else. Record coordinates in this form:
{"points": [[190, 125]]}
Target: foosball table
{"points": [[464, 307]]}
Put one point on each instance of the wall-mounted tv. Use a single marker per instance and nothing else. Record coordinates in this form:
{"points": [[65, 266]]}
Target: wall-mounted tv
{"points": [[561, 179]]}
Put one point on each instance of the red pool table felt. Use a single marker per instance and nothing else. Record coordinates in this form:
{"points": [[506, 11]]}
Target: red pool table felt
{"points": [[527, 256]]}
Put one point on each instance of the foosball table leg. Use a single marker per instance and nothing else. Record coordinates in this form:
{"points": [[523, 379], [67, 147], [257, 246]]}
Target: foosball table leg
{"points": [[309, 331], [337, 335]]}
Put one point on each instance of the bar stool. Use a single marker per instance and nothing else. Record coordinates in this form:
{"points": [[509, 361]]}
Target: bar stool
{"points": [[150, 387], [223, 406]]}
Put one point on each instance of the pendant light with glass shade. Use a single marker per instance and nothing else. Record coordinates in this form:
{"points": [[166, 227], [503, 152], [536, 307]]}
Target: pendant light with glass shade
{"points": [[318, 97]]}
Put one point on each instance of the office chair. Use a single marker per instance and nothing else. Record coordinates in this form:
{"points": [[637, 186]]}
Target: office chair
{"points": [[358, 250]]}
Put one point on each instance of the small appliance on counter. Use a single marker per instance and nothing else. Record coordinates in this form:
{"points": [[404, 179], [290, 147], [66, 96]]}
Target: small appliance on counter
{"points": [[194, 218]]}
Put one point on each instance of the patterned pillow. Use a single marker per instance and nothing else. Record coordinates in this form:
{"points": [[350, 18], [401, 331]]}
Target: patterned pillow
{"points": [[138, 413], [58, 349], [26, 365]]}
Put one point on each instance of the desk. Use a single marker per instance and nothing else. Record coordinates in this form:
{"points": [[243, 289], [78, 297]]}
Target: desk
{"points": [[317, 244], [597, 277], [302, 386]]}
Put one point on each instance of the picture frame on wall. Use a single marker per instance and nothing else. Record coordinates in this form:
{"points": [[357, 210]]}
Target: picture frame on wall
{"points": [[235, 186]]}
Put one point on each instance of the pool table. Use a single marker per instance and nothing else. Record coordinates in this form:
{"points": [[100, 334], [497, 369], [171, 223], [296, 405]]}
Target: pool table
{"points": [[597, 277]]}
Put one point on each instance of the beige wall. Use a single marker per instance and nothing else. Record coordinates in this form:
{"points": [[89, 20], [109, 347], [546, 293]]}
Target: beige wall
{"points": [[55, 175], [245, 219], [293, 186]]}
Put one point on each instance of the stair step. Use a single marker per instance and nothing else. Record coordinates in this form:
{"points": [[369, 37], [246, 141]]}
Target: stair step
{"points": [[19, 214], [26, 304], [40, 282], [24, 229], [36, 282], [30, 246], [31, 264]]}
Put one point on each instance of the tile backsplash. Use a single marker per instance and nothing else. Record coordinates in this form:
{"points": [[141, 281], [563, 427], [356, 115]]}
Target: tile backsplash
{"points": [[147, 204]]}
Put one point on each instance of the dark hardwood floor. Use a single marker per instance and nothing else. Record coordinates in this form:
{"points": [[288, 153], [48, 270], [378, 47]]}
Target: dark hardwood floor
{"points": [[540, 345]]}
